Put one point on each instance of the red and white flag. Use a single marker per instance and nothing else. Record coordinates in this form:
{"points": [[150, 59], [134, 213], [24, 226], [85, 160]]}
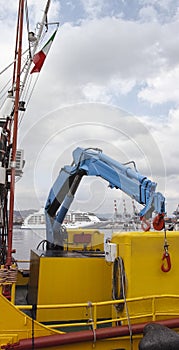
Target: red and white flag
{"points": [[40, 56]]}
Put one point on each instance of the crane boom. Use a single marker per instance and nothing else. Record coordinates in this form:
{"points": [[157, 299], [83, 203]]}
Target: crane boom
{"points": [[93, 162]]}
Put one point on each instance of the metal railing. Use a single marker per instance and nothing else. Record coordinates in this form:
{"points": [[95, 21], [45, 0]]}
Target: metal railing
{"points": [[94, 321], [155, 311]]}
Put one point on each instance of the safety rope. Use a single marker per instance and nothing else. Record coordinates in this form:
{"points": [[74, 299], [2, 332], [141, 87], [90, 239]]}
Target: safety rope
{"points": [[125, 302], [119, 279], [118, 275]]}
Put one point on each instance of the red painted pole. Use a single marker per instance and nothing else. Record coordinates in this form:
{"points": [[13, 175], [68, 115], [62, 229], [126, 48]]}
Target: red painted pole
{"points": [[15, 128], [85, 336]]}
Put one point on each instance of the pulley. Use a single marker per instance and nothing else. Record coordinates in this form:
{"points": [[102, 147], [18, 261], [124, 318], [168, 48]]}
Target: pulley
{"points": [[32, 38], [159, 222]]}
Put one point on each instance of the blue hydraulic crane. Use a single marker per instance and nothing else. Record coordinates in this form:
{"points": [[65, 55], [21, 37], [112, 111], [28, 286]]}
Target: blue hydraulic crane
{"points": [[93, 162]]}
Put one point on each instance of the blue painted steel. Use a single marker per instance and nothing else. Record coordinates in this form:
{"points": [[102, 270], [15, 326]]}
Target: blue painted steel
{"points": [[118, 175]]}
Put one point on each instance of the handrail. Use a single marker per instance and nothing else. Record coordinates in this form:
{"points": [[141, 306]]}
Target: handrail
{"points": [[95, 322], [102, 303]]}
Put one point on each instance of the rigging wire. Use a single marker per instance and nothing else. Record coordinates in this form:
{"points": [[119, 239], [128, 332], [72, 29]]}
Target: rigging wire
{"points": [[16, 46], [17, 84], [32, 90], [29, 87], [28, 100], [29, 58], [27, 23], [4, 95], [5, 87]]}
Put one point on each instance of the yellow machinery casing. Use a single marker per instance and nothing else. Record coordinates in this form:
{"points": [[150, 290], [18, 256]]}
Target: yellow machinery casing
{"points": [[67, 279], [142, 254]]}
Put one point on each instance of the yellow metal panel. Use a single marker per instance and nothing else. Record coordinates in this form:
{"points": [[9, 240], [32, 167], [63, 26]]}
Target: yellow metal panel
{"points": [[142, 255], [68, 280], [15, 325]]}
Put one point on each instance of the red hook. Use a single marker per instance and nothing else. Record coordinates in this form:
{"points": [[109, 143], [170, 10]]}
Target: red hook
{"points": [[145, 224], [158, 222], [166, 266]]}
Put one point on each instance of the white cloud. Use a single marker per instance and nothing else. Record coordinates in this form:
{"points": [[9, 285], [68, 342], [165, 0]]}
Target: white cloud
{"points": [[106, 94], [50, 141], [109, 56], [102, 60], [148, 14], [166, 138], [162, 4], [95, 93], [165, 5], [93, 8], [161, 89]]}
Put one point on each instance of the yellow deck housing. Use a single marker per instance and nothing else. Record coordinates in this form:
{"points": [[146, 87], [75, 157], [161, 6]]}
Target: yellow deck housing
{"points": [[142, 256], [67, 279]]}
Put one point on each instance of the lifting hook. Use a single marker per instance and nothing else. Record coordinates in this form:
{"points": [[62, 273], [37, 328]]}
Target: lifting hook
{"points": [[166, 266]]}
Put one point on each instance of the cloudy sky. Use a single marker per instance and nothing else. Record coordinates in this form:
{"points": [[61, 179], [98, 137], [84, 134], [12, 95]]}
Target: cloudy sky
{"points": [[109, 81]]}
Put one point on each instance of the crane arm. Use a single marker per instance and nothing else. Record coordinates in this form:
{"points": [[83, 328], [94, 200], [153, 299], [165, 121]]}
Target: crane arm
{"points": [[92, 162]]}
